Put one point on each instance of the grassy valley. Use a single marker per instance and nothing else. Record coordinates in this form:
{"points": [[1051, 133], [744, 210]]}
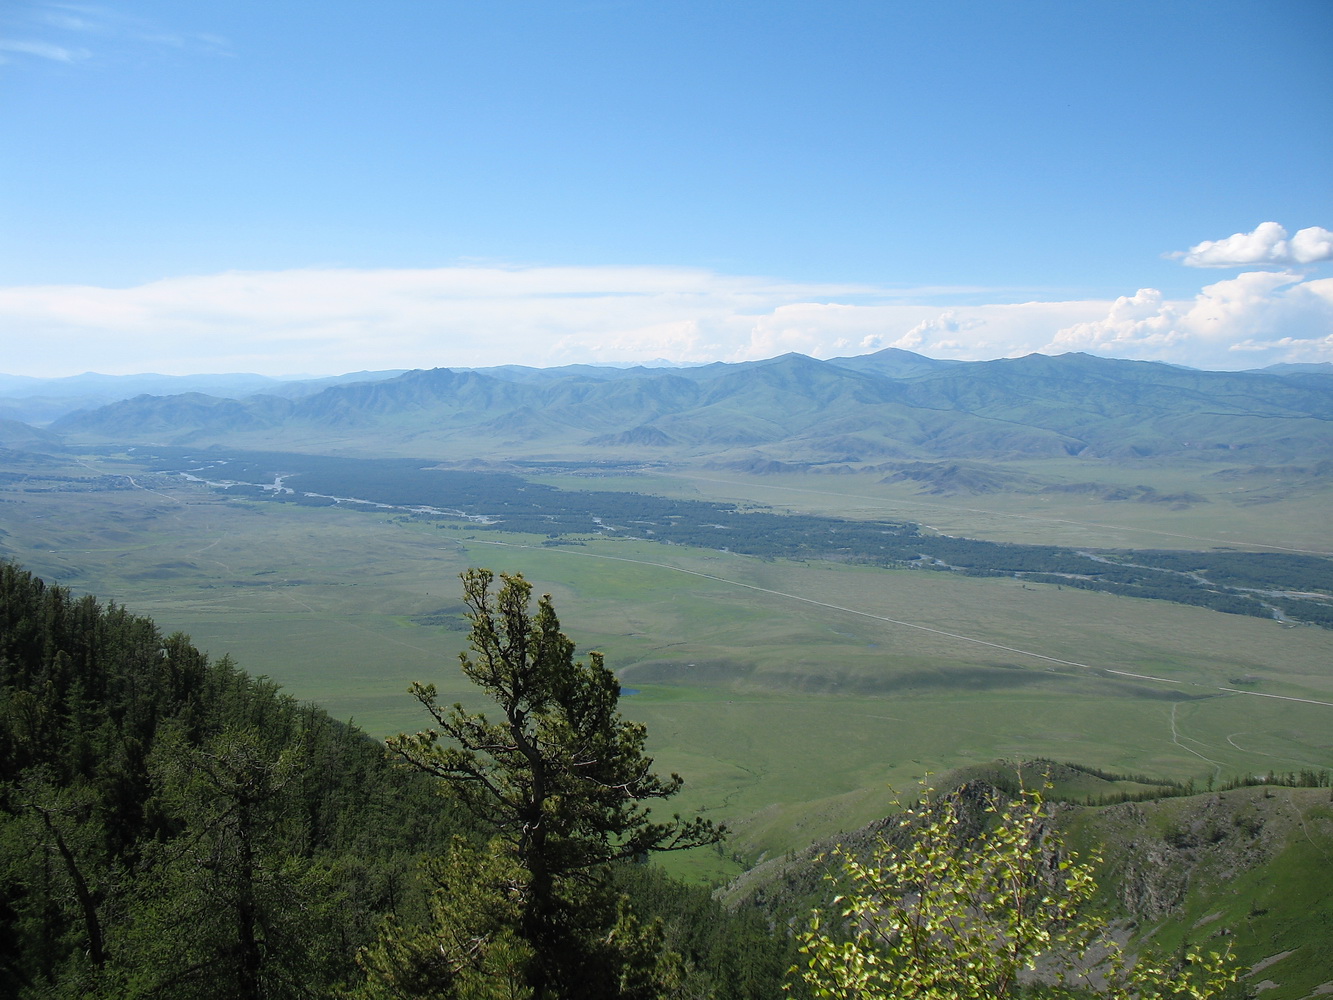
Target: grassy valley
{"points": [[913, 670], [792, 568]]}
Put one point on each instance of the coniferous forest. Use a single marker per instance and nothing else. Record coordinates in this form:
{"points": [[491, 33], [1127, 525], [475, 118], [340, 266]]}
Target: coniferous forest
{"points": [[172, 827]]}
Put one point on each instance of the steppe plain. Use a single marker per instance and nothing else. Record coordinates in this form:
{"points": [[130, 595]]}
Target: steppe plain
{"points": [[793, 696]]}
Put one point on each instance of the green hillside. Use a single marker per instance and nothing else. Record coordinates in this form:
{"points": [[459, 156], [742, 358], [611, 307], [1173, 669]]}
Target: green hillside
{"points": [[791, 409], [172, 827], [1245, 867]]}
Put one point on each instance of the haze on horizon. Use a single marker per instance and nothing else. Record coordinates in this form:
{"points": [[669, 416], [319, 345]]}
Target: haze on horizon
{"points": [[250, 189]]}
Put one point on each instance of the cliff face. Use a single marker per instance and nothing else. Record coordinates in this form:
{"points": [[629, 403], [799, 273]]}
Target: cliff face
{"points": [[1166, 850], [1250, 867]]}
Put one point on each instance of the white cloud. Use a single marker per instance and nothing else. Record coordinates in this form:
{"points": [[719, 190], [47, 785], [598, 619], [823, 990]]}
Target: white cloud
{"points": [[947, 323], [58, 18], [1267, 244], [1311, 245], [334, 320], [44, 50], [63, 28], [1255, 319], [326, 321]]}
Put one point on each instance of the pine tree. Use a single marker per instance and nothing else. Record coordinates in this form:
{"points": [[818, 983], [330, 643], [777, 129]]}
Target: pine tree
{"points": [[561, 782]]}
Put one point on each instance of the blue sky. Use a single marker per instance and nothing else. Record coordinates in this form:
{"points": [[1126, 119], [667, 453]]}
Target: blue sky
{"points": [[281, 187]]}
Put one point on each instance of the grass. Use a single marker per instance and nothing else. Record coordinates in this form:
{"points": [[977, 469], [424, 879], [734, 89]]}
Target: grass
{"points": [[1274, 509], [1265, 887], [792, 696]]}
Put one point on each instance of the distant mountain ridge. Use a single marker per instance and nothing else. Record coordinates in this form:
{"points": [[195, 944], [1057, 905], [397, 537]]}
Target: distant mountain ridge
{"points": [[792, 409], [41, 400]]}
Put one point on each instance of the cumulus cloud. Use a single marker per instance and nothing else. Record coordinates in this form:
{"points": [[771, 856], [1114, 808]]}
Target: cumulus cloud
{"points": [[937, 331], [1267, 244], [1254, 319]]}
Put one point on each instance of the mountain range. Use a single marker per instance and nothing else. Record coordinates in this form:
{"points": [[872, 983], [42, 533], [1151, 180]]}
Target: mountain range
{"points": [[41, 400], [835, 415]]}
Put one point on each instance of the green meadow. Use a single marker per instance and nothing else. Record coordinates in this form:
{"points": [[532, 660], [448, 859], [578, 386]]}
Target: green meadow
{"points": [[792, 696], [1059, 502]]}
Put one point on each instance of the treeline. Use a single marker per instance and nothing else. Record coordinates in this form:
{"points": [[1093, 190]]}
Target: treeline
{"points": [[1014, 780], [1265, 570], [172, 827], [1178, 590], [1304, 778], [1229, 582], [1313, 612]]}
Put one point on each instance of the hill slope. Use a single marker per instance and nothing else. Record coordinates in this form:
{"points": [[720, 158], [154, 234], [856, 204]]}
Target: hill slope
{"points": [[1248, 866], [850, 412]]}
